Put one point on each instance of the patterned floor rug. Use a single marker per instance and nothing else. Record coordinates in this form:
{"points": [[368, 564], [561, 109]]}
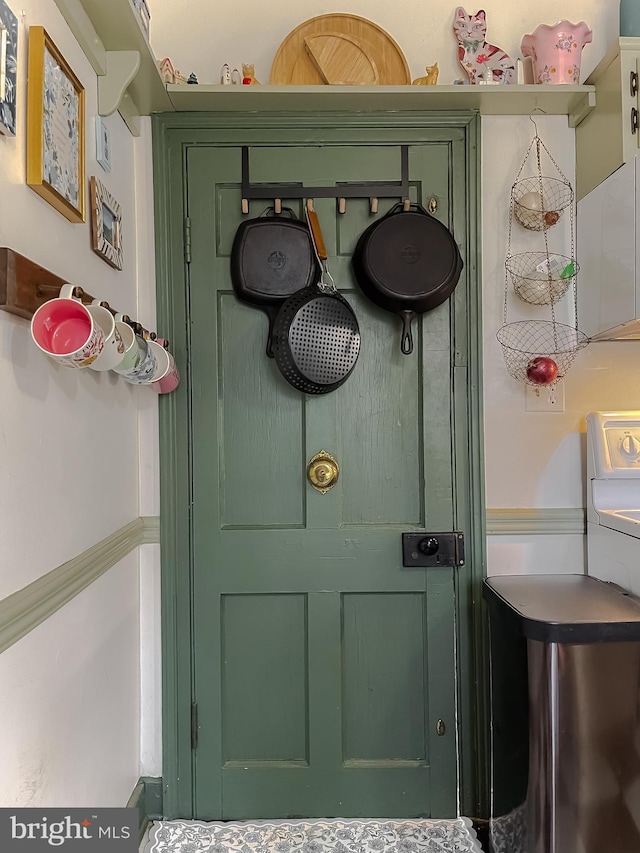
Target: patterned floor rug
{"points": [[313, 836]]}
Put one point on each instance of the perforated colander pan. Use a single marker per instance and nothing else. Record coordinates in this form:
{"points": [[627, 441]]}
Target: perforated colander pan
{"points": [[316, 340]]}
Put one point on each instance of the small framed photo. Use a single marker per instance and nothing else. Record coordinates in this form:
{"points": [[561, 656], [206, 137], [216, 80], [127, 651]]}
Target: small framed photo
{"points": [[106, 224], [103, 144], [8, 69], [55, 128]]}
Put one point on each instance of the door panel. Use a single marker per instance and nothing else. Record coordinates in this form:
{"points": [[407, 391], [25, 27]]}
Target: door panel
{"points": [[264, 679], [260, 420], [373, 668], [379, 429], [321, 665]]}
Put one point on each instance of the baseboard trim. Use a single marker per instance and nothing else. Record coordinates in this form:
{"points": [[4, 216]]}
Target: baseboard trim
{"points": [[27, 608], [527, 522], [147, 798]]}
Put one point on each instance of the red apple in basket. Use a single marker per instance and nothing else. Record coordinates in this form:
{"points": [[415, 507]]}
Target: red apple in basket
{"points": [[542, 370]]}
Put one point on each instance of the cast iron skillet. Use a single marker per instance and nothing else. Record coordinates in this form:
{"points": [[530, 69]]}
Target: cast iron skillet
{"points": [[271, 258], [407, 262]]}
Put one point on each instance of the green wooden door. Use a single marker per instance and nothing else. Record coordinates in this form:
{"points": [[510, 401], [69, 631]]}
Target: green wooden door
{"points": [[322, 667]]}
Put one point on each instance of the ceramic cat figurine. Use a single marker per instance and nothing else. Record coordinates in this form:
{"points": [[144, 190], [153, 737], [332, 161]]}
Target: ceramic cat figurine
{"points": [[431, 79], [248, 76], [476, 55]]}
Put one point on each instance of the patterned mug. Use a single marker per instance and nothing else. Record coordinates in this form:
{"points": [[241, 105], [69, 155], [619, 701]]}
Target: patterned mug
{"points": [[113, 350], [132, 356], [147, 367]]}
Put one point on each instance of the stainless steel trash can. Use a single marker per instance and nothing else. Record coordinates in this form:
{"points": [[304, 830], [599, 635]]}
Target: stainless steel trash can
{"points": [[565, 709]]}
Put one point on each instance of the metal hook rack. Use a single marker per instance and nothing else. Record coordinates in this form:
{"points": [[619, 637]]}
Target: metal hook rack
{"points": [[341, 192]]}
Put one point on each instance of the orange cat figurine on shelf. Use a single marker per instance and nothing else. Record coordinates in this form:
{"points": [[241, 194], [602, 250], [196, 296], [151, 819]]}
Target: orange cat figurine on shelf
{"points": [[432, 76], [248, 76]]}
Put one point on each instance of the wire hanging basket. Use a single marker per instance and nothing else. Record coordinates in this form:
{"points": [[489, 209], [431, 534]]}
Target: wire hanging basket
{"points": [[538, 202], [523, 342], [541, 278], [540, 352]]}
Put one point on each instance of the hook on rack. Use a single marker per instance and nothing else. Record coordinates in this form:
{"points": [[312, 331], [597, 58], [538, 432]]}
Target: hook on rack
{"points": [[532, 120]]}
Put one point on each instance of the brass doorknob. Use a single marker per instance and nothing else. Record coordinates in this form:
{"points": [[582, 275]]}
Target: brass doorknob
{"points": [[323, 471]]}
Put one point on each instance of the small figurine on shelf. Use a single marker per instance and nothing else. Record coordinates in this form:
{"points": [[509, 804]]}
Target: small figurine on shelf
{"points": [[225, 75], [248, 76], [192, 78], [476, 56], [170, 74], [167, 71], [432, 76]]}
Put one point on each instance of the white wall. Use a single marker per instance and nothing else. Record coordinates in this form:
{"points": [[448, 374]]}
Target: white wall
{"points": [[69, 706], [69, 701]]}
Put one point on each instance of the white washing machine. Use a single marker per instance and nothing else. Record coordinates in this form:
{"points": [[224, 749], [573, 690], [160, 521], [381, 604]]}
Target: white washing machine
{"points": [[613, 498]]}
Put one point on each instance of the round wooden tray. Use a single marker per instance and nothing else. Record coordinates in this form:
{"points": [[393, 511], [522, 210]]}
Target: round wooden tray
{"points": [[292, 64]]}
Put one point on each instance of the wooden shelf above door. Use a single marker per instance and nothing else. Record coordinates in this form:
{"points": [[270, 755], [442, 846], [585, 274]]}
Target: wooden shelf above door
{"points": [[129, 80], [115, 43], [574, 101]]}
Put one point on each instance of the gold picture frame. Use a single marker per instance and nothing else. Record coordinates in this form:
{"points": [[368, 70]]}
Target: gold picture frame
{"points": [[106, 224], [55, 128]]}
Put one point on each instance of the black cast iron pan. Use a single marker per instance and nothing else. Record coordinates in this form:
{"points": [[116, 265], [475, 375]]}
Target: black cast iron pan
{"points": [[407, 262], [316, 338], [271, 258]]}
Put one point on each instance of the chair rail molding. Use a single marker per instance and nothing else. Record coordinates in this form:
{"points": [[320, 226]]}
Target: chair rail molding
{"points": [[24, 610], [544, 522]]}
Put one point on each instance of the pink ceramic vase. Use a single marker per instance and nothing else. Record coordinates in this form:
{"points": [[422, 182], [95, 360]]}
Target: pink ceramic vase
{"points": [[556, 51]]}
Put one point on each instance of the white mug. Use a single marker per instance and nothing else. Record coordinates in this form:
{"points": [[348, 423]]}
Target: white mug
{"points": [[113, 351], [132, 356]]}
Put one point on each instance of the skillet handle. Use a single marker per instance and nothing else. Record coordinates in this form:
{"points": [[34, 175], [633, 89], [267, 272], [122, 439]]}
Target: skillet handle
{"points": [[316, 234], [406, 341], [271, 211], [414, 206]]}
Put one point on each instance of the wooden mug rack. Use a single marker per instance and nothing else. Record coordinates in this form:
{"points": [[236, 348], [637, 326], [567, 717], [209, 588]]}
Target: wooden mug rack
{"points": [[25, 286]]}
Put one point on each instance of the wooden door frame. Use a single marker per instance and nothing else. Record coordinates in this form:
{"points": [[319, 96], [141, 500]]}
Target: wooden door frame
{"points": [[173, 134]]}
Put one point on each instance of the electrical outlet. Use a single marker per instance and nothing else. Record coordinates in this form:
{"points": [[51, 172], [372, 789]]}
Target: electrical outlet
{"points": [[544, 399]]}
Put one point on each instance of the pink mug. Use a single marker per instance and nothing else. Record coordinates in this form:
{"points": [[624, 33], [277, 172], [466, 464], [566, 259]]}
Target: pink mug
{"points": [[65, 330], [171, 379]]}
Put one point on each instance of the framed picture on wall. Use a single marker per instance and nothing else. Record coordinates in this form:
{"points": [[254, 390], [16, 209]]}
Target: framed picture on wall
{"points": [[106, 224], [8, 69], [103, 144], [55, 128]]}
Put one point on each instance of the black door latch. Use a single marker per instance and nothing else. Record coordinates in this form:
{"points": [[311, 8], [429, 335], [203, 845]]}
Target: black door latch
{"points": [[430, 550]]}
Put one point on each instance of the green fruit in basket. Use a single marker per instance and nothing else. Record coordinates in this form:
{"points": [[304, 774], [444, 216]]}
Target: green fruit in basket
{"points": [[542, 370], [569, 270]]}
